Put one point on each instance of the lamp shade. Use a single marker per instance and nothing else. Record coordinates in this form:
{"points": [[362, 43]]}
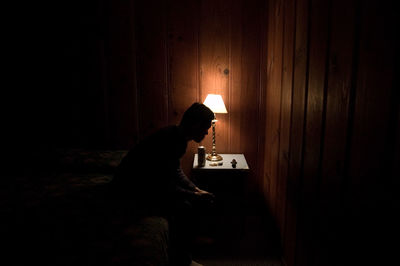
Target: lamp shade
{"points": [[215, 103]]}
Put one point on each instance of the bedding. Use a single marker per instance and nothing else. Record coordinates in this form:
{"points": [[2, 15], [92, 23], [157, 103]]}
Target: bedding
{"points": [[64, 217]]}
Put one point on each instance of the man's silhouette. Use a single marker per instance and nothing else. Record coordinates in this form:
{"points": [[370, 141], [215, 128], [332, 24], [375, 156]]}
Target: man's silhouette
{"points": [[150, 181]]}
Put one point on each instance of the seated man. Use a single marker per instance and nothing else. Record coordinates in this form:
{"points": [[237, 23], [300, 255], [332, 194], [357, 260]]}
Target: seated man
{"points": [[150, 181]]}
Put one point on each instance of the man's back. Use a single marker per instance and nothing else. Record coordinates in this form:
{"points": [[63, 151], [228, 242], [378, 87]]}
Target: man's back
{"points": [[145, 175]]}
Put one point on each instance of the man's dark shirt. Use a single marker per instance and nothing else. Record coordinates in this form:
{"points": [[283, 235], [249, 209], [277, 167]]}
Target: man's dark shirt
{"points": [[150, 175]]}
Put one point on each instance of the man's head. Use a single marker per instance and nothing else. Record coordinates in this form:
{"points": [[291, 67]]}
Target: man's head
{"points": [[196, 121]]}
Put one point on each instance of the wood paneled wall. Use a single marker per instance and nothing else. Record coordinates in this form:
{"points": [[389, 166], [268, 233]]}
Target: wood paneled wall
{"points": [[188, 49], [332, 110], [310, 88], [127, 68]]}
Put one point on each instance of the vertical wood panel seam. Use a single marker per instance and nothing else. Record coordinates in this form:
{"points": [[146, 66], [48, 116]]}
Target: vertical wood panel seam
{"points": [[197, 21], [303, 145], [106, 51], [280, 118], [352, 98], [168, 73], [198, 49], [323, 123], [135, 86], [325, 99], [230, 82], [291, 109], [198, 16], [137, 80], [280, 107], [261, 50]]}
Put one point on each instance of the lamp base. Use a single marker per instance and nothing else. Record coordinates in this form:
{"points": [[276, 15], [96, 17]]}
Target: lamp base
{"points": [[214, 158]]}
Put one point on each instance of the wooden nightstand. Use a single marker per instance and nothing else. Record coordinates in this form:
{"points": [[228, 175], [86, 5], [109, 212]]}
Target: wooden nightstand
{"points": [[228, 186]]}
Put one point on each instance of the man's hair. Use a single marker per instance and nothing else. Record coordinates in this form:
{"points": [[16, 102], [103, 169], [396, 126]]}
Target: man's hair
{"points": [[196, 113]]}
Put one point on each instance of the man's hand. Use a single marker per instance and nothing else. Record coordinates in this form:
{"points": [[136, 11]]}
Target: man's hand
{"points": [[204, 195]]}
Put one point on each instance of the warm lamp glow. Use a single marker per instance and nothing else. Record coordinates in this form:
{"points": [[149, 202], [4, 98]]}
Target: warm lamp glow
{"points": [[215, 103]]}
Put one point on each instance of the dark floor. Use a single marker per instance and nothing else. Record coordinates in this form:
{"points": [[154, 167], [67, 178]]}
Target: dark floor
{"points": [[257, 244], [255, 247]]}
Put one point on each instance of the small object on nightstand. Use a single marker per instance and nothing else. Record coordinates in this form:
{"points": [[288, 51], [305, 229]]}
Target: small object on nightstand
{"points": [[201, 158], [233, 163], [216, 164]]}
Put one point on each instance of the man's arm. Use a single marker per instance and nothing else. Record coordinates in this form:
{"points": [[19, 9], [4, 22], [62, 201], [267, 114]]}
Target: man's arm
{"points": [[185, 186], [184, 181]]}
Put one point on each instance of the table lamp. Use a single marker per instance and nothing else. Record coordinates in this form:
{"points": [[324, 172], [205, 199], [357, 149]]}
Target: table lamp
{"points": [[216, 104]]}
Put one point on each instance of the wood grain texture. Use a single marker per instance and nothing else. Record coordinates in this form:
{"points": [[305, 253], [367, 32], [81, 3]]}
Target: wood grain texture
{"points": [[237, 53], [297, 128], [248, 94], [121, 94], [368, 181], [372, 105], [273, 101], [285, 117], [152, 65], [270, 46], [340, 129], [310, 87], [340, 74], [183, 62], [263, 65], [214, 45], [314, 121]]}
